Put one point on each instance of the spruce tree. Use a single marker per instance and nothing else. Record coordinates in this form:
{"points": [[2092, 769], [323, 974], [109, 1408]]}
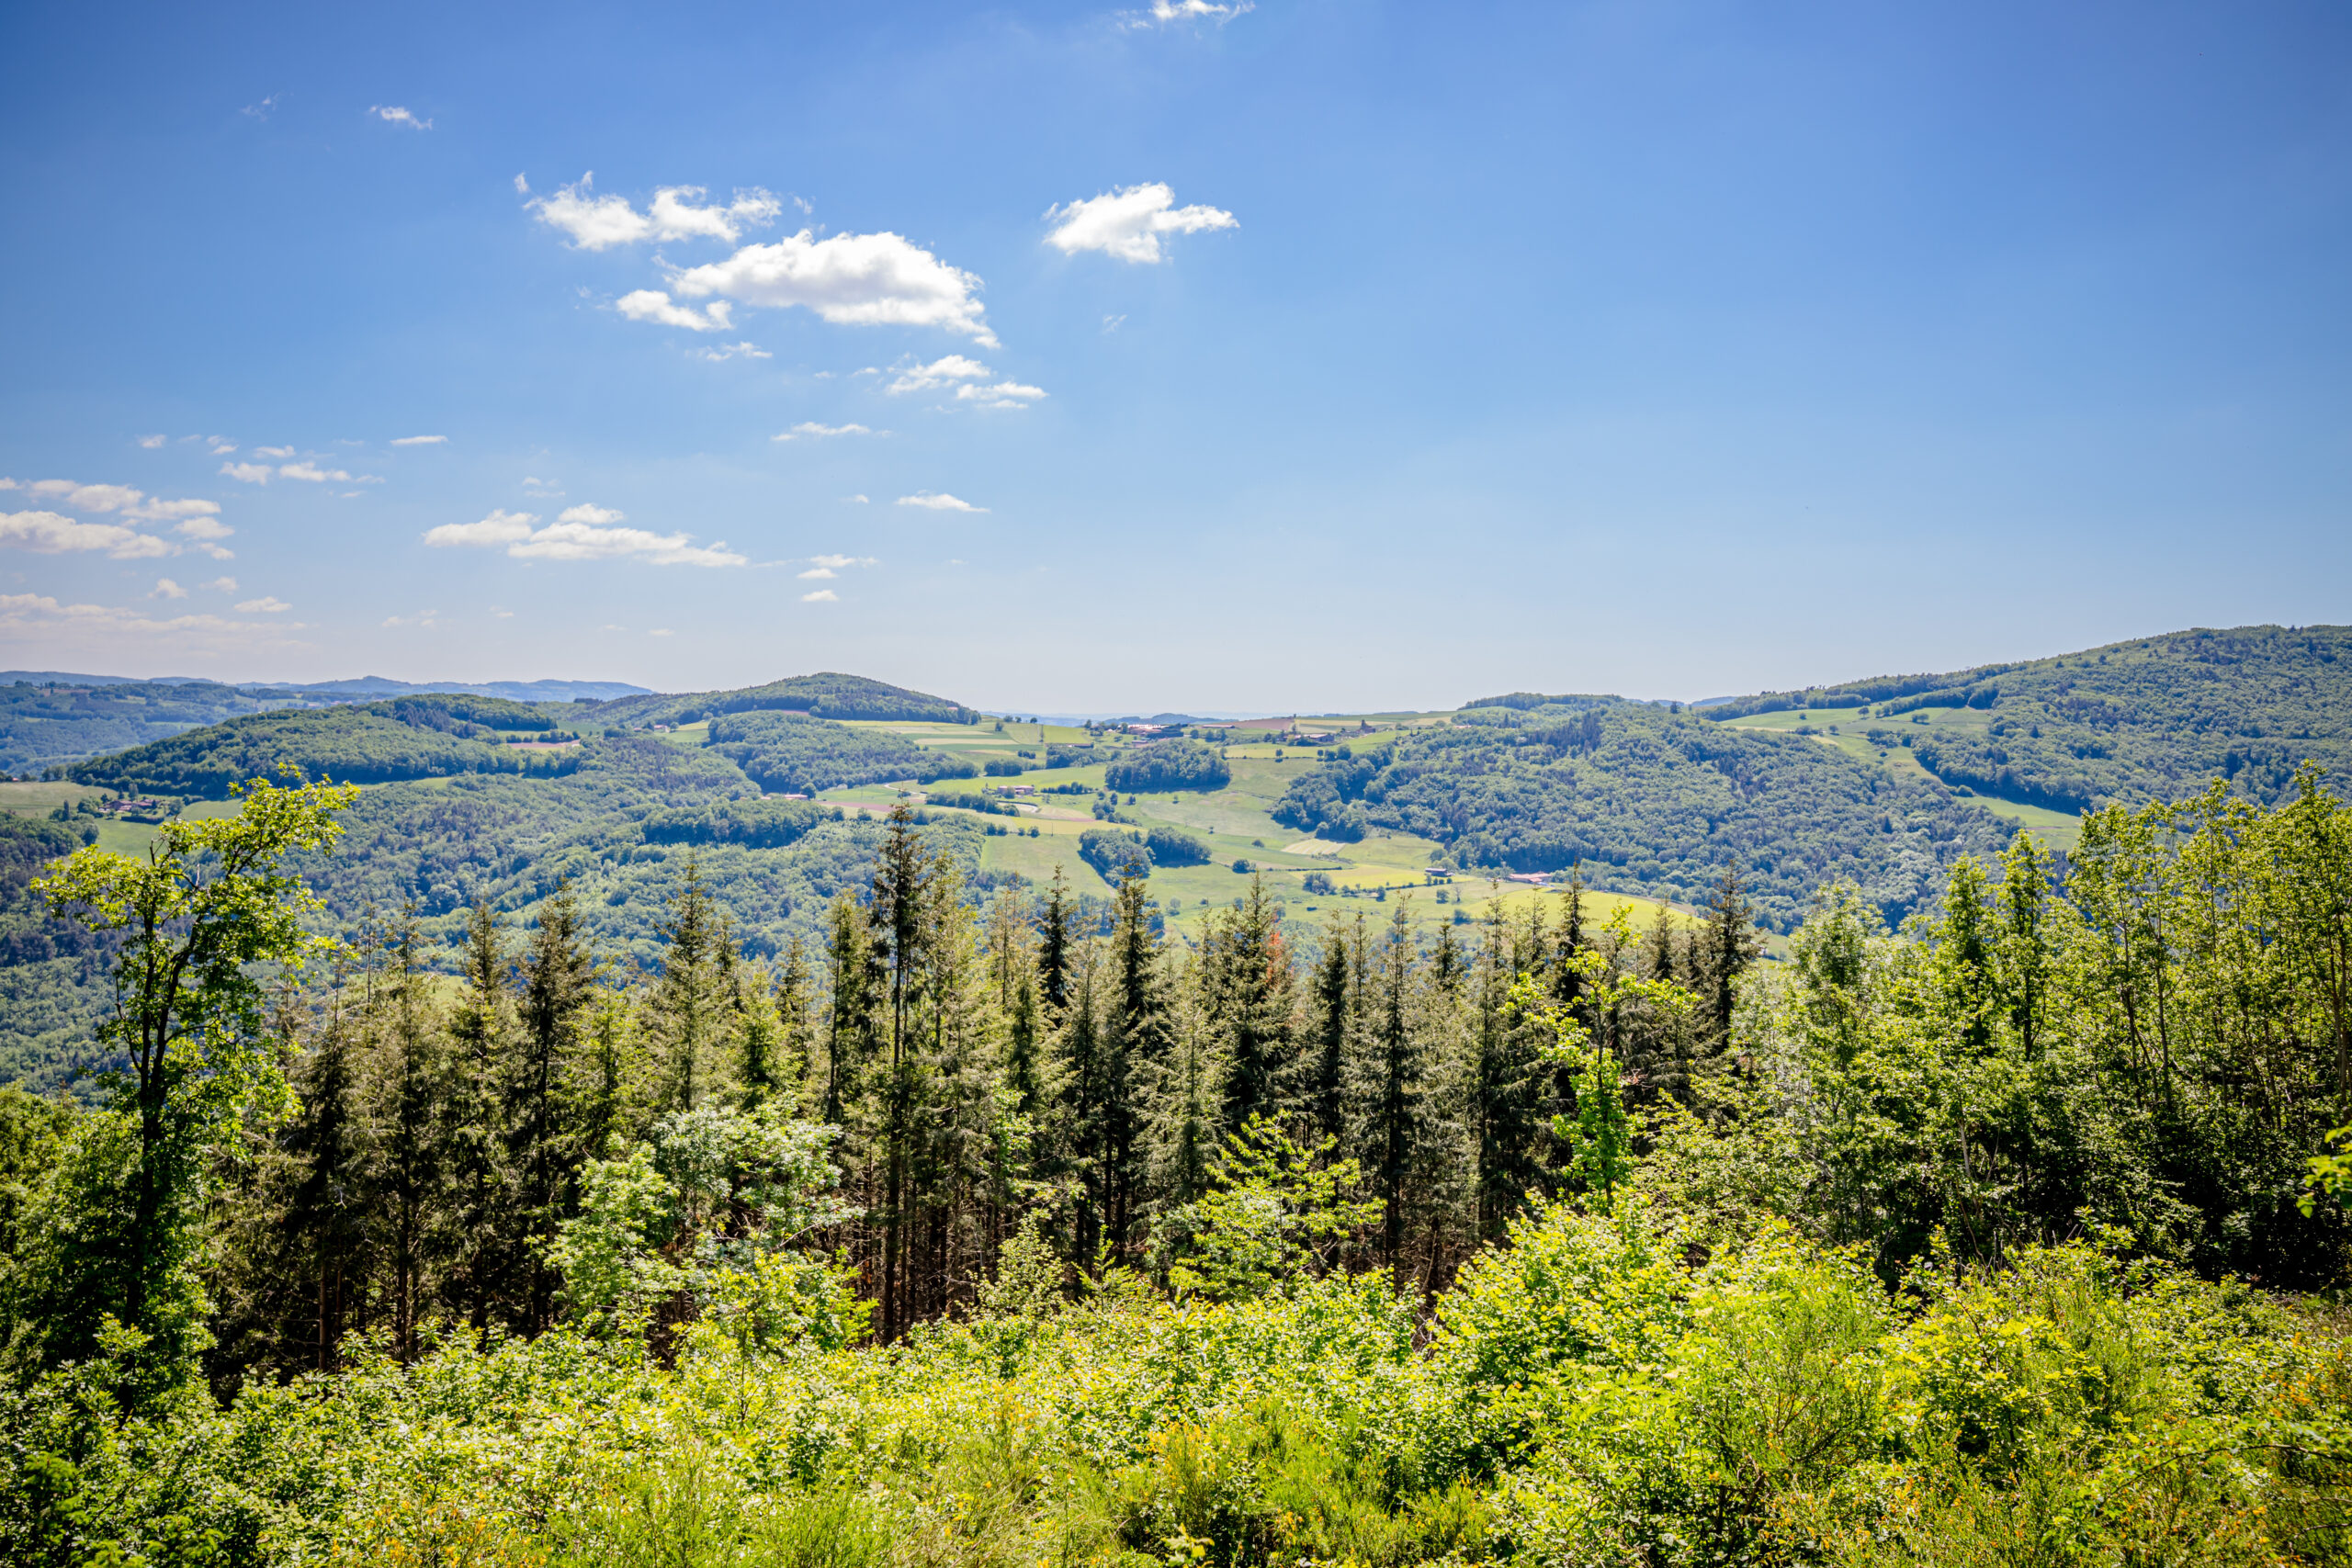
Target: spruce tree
{"points": [[691, 1004], [1054, 947], [476, 1241]]}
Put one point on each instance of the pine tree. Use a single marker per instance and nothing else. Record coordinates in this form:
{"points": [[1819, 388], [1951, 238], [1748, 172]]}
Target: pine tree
{"points": [[327, 1143], [1249, 982], [689, 1012], [1054, 947], [852, 1032], [473, 1153], [545, 1146], [1388, 1089], [1323, 1089], [897, 918], [1135, 1041], [405, 1180]]}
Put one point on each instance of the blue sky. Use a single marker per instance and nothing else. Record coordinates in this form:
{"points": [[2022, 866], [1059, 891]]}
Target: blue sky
{"points": [[1300, 355]]}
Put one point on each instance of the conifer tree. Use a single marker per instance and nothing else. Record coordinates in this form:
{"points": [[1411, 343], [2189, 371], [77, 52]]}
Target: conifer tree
{"points": [[1248, 986], [406, 1179], [1136, 1039], [474, 1154], [1054, 947], [688, 1011]]}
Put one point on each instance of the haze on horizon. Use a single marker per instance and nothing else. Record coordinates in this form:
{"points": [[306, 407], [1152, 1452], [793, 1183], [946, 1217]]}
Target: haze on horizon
{"points": [[1200, 357]]}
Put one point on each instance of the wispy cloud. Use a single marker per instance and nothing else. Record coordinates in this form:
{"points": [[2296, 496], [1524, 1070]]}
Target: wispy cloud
{"points": [[1162, 13], [392, 114], [1127, 223], [581, 533], [58, 630], [166, 589], [938, 500], [422, 618], [843, 561], [247, 473], [967, 375], [600, 222], [419, 440], [220, 585], [655, 306], [811, 429], [150, 442], [736, 351], [819, 572], [822, 596], [266, 606], [263, 109]]}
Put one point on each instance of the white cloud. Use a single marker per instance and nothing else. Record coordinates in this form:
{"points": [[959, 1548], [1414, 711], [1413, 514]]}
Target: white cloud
{"points": [[501, 528], [938, 500], [822, 596], [261, 110], [418, 440], [273, 452], [221, 445], [843, 561], [1164, 12], [809, 427], [855, 500], [312, 472], [266, 606], [249, 473], [1113, 324], [581, 533], [51, 532], [394, 115], [204, 528], [600, 222], [736, 351], [1004, 395], [166, 589], [150, 442], [848, 279], [1127, 223], [422, 618], [135, 505], [818, 572], [39, 623], [221, 585], [502, 614], [660, 631], [653, 304], [186, 510], [939, 373]]}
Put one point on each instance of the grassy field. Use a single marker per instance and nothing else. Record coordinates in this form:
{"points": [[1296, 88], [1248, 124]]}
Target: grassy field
{"points": [[1846, 730]]}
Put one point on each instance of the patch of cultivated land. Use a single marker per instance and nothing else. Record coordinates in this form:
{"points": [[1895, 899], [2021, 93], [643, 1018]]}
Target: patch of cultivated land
{"points": [[1847, 729]]}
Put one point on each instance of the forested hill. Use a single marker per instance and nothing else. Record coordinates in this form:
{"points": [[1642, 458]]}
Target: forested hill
{"points": [[51, 719], [1648, 800], [408, 737], [2129, 722], [825, 695]]}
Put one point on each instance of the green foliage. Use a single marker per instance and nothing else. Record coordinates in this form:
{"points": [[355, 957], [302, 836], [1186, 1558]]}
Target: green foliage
{"points": [[793, 754], [1169, 765], [407, 737], [1273, 1217], [1652, 802], [2131, 722], [1111, 850], [825, 696], [116, 1241], [1174, 846]]}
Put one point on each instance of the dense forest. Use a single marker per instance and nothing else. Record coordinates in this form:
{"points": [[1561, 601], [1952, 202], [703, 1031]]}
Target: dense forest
{"points": [[979, 1232], [2134, 721], [405, 737], [828, 695], [1652, 801], [793, 754]]}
